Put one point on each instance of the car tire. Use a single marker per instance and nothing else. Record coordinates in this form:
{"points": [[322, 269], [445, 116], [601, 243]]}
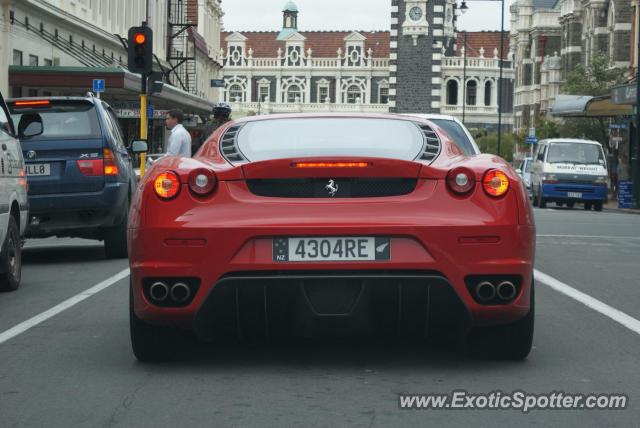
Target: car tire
{"points": [[587, 206], [11, 260], [505, 342], [151, 343], [570, 205], [597, 206], [115, 239]]}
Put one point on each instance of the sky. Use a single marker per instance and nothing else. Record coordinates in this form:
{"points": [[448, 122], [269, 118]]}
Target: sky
{"points": [[266, 15]]}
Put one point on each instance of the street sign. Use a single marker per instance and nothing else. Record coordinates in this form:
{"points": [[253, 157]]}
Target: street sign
{"points": [[531, 140], [217, 83], [532, 132], [98, 85], [617, 126]]}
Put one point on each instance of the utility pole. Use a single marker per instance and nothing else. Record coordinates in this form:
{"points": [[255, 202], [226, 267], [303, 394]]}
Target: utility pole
{"points": [[500, 79], [464, 76]]}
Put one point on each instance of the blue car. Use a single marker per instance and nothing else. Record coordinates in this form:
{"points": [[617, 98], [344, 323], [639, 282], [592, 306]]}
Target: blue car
{"points": [[80, 174]]}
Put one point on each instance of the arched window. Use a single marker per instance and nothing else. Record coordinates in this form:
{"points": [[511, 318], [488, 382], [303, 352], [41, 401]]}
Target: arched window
{"points": [[294, 94], [472, 92], [353, 93], [236, 93], [452, 92], [487, 93]]}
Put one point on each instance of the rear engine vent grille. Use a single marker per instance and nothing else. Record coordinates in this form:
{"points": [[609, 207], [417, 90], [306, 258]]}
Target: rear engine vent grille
{"points": [[340, 188], [431, 148], [229, 145]]}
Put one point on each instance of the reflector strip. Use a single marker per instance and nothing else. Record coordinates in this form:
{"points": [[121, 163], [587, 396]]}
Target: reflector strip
{"points": [[330, 164]]}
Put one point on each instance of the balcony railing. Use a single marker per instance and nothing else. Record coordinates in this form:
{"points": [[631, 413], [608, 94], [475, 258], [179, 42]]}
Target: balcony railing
{"points": [[458, 62], [314, 63]]}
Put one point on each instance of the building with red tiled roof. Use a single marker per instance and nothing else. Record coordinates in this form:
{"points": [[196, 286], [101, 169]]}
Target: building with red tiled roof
{"points": [[292, 70]]}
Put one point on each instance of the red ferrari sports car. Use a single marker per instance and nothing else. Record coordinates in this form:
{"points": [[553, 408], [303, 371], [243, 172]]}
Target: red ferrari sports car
{"points": [[297, 225]]}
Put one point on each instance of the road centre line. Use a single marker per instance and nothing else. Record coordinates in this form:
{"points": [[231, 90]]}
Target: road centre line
{"points": [[593, 303], [72, 301]]}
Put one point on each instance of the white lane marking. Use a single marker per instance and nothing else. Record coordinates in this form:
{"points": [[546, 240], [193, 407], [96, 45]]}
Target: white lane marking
{"points": [[595, 304], [72, 301], [588, 236]]}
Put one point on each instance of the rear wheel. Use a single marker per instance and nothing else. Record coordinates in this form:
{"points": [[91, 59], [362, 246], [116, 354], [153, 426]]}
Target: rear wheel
{"points": [[597, 206], [115, 238], [505, 342], [11, 260], [570, 205], [587, 206], [151, 343]]}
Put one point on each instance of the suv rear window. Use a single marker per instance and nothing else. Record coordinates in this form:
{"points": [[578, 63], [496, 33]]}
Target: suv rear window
{"points": [[63, 119], [322, 136]]}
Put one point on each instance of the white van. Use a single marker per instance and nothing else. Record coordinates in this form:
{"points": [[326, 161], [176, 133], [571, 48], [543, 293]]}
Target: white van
{"points": [[566, 171]]}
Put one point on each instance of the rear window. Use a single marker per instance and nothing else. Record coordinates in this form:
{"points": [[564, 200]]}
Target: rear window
{"points": [[290, 138], [457, 134], [64, 120]]}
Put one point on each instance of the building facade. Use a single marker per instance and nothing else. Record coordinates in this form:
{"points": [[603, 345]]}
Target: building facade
{"points": [[309, 71]]}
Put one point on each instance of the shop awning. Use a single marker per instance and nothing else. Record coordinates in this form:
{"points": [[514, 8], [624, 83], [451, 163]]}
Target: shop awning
{"points": [[588, 106], [120, 84]]}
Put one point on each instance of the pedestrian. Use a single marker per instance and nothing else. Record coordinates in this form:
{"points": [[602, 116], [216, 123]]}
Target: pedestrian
{"points": [[221, 115], [179, 143]]}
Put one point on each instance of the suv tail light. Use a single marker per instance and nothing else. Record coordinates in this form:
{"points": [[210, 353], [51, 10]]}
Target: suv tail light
{"points": [[461, 181], [90, 167], [110, 166], [495, 183], [167, 185], [202, 181]]}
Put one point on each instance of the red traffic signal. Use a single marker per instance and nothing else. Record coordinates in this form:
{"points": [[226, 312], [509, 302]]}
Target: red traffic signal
{"points": [[140, 50]]}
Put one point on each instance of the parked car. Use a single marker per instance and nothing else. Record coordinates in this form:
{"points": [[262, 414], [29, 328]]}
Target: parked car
{"points": [[13, 194], [454, 128], [301, 225], [524, 171], [81, 179], [566, 171]]}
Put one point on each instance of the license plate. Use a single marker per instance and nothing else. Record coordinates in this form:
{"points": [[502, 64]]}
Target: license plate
{"points": [[576, 195], [38, 169], [326, 249]]}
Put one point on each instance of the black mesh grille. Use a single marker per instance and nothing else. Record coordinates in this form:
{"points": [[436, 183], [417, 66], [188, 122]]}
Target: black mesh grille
{"points": [[320, 187], [431, 148], [229, 147]]}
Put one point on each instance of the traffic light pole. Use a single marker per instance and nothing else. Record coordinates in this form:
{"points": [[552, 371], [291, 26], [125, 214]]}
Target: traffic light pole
{"points": [[144, 126]]}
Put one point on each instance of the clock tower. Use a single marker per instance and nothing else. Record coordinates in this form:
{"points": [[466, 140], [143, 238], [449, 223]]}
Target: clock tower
{"points": [[421, 32]]}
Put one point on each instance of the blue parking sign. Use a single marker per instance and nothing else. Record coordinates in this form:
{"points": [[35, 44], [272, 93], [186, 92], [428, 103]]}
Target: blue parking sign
{"points": [[98, 85]]}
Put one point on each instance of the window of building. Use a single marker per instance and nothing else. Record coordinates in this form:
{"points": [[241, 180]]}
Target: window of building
{"points": [[383, 96], [47, 62], [472, 92], [235, 93], [264, 92], [452, 92], [488, 88], [294, 94], [353, 94], [17, 57], [33, 60], [323, 93]]}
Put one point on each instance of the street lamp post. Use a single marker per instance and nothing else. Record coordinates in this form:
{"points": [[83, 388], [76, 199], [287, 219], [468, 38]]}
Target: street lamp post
{"points": [[464, 77], [463, 9]]}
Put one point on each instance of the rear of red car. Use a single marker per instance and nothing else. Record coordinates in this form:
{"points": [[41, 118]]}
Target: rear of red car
{"points": [[330, 225]]}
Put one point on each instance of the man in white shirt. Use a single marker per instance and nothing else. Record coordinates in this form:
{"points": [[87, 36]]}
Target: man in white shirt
{"points": [[179, 140]]}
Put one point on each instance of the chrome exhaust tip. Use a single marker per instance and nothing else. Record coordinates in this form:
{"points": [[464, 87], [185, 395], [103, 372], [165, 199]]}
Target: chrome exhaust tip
{"points": [[506, 290], [159, 291], [485, 291], [180, 292]]}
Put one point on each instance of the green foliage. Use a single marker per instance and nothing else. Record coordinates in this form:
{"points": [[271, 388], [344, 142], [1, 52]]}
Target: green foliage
{"points": [[595, 79], [489, 144]]}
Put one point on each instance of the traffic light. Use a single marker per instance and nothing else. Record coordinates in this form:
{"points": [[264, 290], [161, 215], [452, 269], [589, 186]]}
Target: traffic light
{"points": [[140, 50]]}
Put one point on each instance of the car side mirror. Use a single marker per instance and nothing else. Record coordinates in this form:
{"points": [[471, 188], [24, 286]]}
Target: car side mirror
{"points": [[30, 126], [139, 146]]}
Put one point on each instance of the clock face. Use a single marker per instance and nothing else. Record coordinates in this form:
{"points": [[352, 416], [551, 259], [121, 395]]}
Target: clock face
{"points": [[415, 13]]}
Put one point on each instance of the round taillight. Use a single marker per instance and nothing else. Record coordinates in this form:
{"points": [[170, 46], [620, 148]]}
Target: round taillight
{"points": [[167, 185], [461, 181], [495, 183], [202, 181]]}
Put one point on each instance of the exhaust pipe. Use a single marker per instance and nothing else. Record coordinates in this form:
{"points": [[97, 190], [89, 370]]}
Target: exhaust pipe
{"points": [[506, 290], [159, 291], [180, 292], [485, 291]]}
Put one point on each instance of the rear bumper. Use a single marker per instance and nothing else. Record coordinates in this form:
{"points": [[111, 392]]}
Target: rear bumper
{"points": [[560, 192], [57, 213]]}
